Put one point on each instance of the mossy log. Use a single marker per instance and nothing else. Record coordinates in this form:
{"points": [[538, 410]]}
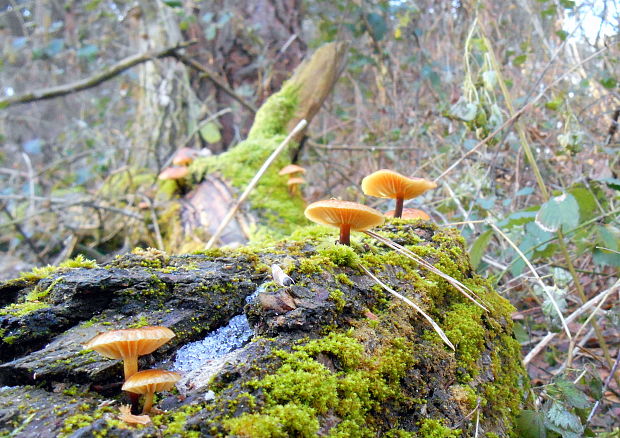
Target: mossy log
{"points": [[330, 355], [216, 181]]}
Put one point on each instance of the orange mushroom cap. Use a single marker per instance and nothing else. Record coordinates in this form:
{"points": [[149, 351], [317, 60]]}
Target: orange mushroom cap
{"points": [[120, 344], [151, 381], [291, 168], [410, 213], [295, 180], [386, 183], [336, 213], [184, 157], [174, 173]]}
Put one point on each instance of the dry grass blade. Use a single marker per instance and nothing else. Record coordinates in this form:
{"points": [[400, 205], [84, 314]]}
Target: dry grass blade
{"points": [[438, 329], [407, 253], [540, 282]]}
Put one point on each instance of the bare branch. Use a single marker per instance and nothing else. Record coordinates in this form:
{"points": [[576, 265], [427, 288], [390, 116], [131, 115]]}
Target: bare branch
{"points": [[90, 82]]}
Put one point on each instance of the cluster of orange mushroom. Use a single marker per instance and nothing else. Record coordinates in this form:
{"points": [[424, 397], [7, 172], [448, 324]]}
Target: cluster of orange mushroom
{"points": [[351, 216], [128, 345], [180, 162], [294, 179]]}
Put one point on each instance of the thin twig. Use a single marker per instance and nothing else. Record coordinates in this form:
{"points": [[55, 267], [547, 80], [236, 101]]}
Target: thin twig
{"points": [[231, 213]]}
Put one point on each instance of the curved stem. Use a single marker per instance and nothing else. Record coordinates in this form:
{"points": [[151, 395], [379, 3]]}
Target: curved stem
{"points": [[148, 402], [130, 365], [345, 234], [398, 212]]}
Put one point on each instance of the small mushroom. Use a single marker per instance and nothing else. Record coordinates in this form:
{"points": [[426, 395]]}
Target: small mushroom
{"points": [[128, 344], [174, 173], [184, 157], [386, 183], [148, 383], [345, 215], [291, 169], [410, 213], [294, 183]]}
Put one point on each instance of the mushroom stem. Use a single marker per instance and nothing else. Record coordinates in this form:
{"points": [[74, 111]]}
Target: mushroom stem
{"points": [[398, 211], [130, 365], [345, 234], [148, 402]]}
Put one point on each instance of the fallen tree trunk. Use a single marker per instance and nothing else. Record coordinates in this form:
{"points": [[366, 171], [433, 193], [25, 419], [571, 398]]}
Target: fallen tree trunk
{"points": [[330, 355]]}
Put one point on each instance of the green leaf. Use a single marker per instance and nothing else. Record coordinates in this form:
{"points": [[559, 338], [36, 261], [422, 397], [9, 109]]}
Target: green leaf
{"points": [[210, 133], [518, 218], [173, 3], [561, 420], [588, 207], [568, 4], [530, 424], [519, 60], [573, 395], [608, 82], [608, 237], [561, 211], [464, 110], [613, 183], [378, 28], [562, 34], [555, 103], [479, 247]]}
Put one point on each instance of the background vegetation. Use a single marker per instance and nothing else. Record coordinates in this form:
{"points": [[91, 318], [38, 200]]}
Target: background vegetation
{"points": [[511, 106]]}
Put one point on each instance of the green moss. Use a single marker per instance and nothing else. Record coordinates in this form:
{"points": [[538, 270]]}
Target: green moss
{"points": [[21, 309], [279, 421], [141, 322], [430, 428], [337, 296], [340, 255], [304, 389], [463, 326], [78, 262], [343, 279], [280, 212]]}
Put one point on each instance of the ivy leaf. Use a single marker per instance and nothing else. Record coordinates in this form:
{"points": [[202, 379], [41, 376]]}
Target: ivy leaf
{"points": [[531, 424], [210, 133], [479, 247], [561, 211]]}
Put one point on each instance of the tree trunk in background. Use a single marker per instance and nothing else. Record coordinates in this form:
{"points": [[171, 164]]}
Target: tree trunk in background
{"points": [[250, 43], [165, 96]]}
